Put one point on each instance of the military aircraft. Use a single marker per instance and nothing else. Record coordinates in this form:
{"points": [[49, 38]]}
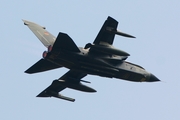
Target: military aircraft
{"points": [[99, 58]]}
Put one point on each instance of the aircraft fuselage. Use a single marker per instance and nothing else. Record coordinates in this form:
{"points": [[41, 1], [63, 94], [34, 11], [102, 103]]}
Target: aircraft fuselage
{"points": [[90, 64], [97, 58]]}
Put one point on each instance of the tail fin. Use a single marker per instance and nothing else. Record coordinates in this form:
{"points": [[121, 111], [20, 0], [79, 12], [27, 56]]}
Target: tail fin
{"points": [[41, 33], [63, 41]]}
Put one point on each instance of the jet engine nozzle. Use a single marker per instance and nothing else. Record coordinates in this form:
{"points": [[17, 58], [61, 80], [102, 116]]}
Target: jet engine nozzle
{"points": [[44, 55], [50, 48]]}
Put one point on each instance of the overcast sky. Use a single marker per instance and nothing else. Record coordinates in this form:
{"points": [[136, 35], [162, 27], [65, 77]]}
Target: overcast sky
{"points": [[156, 25]]}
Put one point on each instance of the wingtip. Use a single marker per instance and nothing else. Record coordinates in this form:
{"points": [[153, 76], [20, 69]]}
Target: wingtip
{"points": [[25, 71], [25, 22], [28, 72], [109, 18]]}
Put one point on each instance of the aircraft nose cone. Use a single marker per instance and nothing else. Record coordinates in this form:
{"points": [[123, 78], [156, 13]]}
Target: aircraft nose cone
{"points": [[153, 78]]}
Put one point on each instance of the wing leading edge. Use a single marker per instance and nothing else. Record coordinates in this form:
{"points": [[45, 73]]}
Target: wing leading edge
{"points": [[41, 66]]}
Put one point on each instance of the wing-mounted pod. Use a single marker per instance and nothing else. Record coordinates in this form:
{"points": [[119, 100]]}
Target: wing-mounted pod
{"points": [[76, 85], [106, 49], [112, 30], [111, 26], [109, 50], [57, 95], [50, 93]]}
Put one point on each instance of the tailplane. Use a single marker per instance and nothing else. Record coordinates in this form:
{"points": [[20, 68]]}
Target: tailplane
{"points": [[41, 66]]}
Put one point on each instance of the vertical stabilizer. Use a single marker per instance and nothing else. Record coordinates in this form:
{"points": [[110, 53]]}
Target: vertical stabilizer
{"points": [[41, 33]]}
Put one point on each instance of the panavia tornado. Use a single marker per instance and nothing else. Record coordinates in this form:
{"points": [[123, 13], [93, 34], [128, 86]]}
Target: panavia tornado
{"points": [[98, 58]]}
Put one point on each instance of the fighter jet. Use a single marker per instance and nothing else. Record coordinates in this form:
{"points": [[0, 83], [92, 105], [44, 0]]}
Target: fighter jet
{"points": [[99, 58]]}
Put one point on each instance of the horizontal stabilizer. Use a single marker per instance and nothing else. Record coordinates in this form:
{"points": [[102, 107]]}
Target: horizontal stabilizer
{"points": [[63, 41], [41, 66]]}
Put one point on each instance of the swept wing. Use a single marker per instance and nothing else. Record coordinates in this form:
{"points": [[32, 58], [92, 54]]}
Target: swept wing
{"points": [[108, 31], [71, 78], [104, 35]]}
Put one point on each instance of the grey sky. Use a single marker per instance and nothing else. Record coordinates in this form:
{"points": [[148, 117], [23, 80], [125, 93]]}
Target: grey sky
{"points": [[156, 26]]}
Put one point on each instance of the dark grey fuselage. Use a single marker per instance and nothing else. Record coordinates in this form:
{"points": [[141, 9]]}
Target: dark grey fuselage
{"points": [[95, 65]]}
